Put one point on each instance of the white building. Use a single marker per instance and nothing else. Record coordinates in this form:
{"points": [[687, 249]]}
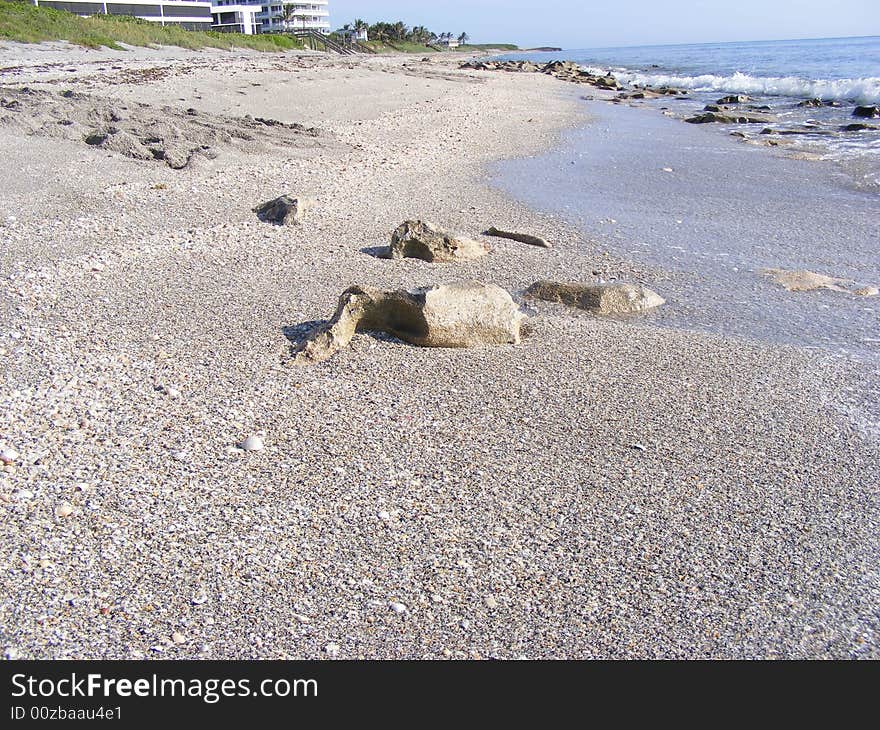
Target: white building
{"points": [[238, 18], [351, 35], [313, 15], [188, 14], [271, 14]]}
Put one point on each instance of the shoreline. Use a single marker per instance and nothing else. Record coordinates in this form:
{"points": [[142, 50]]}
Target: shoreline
{"points": [[495, 493]]}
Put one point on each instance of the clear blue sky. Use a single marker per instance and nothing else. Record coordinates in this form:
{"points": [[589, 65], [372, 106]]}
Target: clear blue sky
{"points": [[593, 24]]}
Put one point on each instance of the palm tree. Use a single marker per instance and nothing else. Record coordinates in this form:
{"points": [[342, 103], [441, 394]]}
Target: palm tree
{"points": [[361, 25], [463, 38], [399, 31]]}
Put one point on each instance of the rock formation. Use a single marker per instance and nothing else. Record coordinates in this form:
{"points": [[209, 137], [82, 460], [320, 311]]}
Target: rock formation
{"points": [[619, 298], [461, 314], [423, 240]]}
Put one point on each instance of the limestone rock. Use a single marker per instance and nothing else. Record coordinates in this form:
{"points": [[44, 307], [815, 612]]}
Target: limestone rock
{"points": [[516, 236], [461, 314], [286, 210], [423, 240], [619, 298], [801, 281]]}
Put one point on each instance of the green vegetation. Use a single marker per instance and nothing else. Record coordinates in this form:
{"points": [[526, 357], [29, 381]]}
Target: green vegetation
{"points": [[488, 47], [400, 37], [23, 22]]}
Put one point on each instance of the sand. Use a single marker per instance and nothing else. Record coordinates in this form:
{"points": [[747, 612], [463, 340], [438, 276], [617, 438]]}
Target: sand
{"points": [[607, 488]]}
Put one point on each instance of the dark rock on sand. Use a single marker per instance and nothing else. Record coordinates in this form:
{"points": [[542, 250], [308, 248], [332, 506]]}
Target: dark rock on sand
{"points": [[858, 127], [517, 236], [811, 103], [285, 210], [734, 99]]}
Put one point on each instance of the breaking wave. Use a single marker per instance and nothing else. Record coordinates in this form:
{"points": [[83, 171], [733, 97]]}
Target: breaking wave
{"points": [[860, 91]]}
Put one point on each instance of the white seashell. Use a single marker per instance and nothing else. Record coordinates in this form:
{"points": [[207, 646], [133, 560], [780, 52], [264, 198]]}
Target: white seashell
{"points": [[252, 443]]}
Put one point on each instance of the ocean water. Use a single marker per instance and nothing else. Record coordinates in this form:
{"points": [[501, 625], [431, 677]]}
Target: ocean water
{"points": [[778, 76], [715, 213]]}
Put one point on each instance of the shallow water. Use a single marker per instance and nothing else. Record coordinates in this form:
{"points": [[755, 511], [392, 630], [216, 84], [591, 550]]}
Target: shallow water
{"points": [[778, 74], [725, 212]]}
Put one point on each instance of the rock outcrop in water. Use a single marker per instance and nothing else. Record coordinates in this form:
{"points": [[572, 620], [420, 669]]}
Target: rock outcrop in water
{"points": [[461, 314], [715, 117], [620, 298], [564, 70], [868, 112], [802, 281], [423, 240]]}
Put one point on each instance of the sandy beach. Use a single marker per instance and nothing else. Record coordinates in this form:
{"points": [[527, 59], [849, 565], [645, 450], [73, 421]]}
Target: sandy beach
{"points": [[607, 488]]}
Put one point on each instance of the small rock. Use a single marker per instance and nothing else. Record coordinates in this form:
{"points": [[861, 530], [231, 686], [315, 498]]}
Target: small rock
{"points": [[332, 650], [491, 603], [398, 608], [285, 210], [64, 510], [178, 638], [384, 515]]}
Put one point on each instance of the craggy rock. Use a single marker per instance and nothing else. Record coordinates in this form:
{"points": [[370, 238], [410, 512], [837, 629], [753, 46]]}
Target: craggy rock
{"points": [[734, 99], [517, 236], [858, 127], [810, 281], [709, 117], [618, 298], [285, 211], [811, 103], [423, 240], [461, 314], [564, 70], [868, 112]]}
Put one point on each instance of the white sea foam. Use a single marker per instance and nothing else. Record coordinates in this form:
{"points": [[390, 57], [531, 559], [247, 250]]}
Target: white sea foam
{"points": [[861, 91]]}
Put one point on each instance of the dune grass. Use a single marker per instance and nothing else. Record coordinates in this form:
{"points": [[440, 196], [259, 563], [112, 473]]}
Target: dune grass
{"points": [[26, 23]]}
